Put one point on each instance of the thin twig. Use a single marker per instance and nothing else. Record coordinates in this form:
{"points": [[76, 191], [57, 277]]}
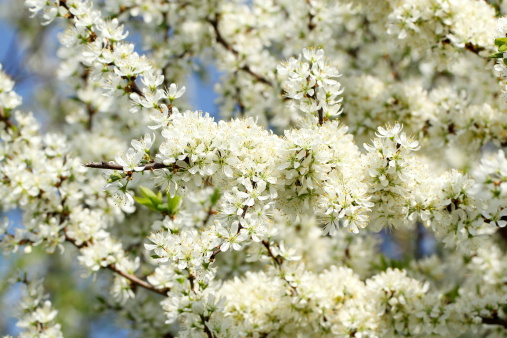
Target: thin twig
{"points": [[137, 281], [279, 261], [134, 279], [270, 253], [221, 40], [206, 329], [113, 166], [495, 320]]}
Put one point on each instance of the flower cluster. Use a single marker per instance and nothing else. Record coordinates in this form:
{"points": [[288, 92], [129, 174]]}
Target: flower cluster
{"points": [[36, 313], [239, 224], [390, 174], [8, 98], [435, 24], [311, 83], [490, 186]]}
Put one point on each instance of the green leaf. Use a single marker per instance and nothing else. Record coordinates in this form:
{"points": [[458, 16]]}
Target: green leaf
{"points": [[502, 48], [155, 256], [173, 204], [156, 199], [146, 202], [142, 200], [498, 55], [452, 294], [162, 208], [215, 197], [500, 42]]}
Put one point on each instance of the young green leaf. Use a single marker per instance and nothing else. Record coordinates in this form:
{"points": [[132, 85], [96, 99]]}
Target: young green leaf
{"points": [[173, 204], [155, 198]]}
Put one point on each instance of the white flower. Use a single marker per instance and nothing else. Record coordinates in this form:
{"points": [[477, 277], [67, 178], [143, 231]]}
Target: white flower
{"points": [[312, 84], [112, 30], [173, 92], [121, 290], [407, 143], [389, 132], [498, 218], [144, 144], [232, 237], [130, 160], [119, 193], [45, 314]]}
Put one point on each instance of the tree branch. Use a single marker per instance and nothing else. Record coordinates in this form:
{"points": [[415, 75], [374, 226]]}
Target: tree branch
{"points": [[495, 320], [113, 166], [221, 40], [134, 279], [270, 254]]}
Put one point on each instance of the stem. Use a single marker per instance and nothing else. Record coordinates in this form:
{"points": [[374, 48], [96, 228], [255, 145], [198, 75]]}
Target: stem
{"points": [[134, 279], [270, 253], [495, 320], [113, 166], [134, 88], [91, 112], [311, 24], [206, 329], [279, 261], [320, 112], [221, 40], [137, 281]]}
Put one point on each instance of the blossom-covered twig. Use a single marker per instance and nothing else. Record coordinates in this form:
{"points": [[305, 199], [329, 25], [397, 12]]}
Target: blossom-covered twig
{"points": [[113, 166], [214, 22], [134, 279]]}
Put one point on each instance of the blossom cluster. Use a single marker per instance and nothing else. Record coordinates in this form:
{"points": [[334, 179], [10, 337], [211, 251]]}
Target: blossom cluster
{"points": [[36, 313], [264, 224], [435, 24], [312, 84]]}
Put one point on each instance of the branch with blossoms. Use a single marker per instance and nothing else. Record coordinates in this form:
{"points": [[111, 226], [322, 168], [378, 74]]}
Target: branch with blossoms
{"points": [[134, 279], [222, 187], [214, 22], [114, 166]]}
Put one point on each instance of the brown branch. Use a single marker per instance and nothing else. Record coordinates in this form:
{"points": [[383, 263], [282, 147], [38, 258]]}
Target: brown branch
{"points": [[113, 166], [64, 4], [133, 88], [137, 281], [91, 112], [221, 40], [270, 253], [215, 253], [320, 112], [134, 279], [476, 49], [206, 329], [311, 24], [210, 212], [279, 261], [495, 320]]}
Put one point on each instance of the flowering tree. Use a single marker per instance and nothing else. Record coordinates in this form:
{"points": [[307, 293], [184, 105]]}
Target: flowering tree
{"points": [[338, 119]]}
